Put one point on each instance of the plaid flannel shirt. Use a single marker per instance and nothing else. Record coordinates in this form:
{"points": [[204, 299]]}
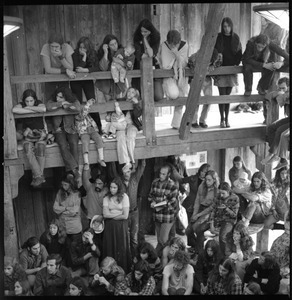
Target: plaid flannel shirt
{"points": [[160, 191], [216, 288], [145, 290]]}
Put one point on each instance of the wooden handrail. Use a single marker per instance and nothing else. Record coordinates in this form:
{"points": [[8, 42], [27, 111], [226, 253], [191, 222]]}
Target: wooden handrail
{"points": [[157, 73]]}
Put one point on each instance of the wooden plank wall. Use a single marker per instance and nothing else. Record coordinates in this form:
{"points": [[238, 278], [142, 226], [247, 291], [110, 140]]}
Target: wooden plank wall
{"points": [[33, 209], [73, 21]]}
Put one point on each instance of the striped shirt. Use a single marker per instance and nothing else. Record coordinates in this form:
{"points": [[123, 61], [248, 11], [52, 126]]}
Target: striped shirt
{"points": [[160, 191], [216, 288]]}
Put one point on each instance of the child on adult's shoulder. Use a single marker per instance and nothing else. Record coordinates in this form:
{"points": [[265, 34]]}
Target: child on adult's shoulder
{"points": [[123, 60], [242, 183], [87, 129], [116, 121]]}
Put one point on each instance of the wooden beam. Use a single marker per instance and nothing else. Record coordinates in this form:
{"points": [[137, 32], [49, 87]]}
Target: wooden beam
{"points": [[214, 19], [147, 95], [12, 175], [10, 143]]}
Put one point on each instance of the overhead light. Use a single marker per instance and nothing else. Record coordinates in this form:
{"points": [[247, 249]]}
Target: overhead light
{"points": [[277, 13], [11, 24]]}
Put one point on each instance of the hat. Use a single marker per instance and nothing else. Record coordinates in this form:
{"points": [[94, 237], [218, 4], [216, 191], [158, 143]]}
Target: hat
{"points": [[244, 176], [98, 218]]}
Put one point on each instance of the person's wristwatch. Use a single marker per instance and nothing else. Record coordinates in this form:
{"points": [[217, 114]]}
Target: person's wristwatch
{"points": [[61, 57]]}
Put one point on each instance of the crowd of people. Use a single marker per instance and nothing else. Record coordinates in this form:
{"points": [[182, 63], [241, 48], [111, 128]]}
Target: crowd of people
{"points": [[105, 257]]}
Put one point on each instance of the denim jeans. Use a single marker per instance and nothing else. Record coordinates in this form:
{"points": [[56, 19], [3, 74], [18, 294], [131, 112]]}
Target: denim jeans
{"points": [[122, 151], [254, 213], [133, 221], [225, 228], [85, 139], [68, 144], [265, 80], [162, 232], [131, 133], [274, 132], [207, 91], [35, 153]]}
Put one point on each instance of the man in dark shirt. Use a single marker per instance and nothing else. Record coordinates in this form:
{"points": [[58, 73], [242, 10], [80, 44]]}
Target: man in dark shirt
{"points": [[52, 280], [131, 182], [266, 272]]}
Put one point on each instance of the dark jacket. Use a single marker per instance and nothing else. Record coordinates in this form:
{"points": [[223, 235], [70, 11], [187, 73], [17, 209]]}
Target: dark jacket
{"points": [[267, 55], [273, 276], [91, 64], [233, 55]]}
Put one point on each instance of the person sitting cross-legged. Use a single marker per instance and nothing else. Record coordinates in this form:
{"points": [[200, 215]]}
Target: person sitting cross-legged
{"points": [[178, 275]]}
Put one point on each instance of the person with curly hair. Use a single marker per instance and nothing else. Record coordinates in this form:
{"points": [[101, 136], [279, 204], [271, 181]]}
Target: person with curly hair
{"points": [[239, 247], [178, 275], [64, 128], [13, 272], [281, 199], [207, 260], [85, 61], [107, 88], [54, 238], [33, 130], [265, 271], [146, 40], [199, 222], [223, 279], [168, 252], [140, 280], [259, 198], [116, 243]]}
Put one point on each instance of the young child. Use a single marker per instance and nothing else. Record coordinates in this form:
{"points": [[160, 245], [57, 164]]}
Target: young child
{"points": [[242, 183], [115, 121], [123, 60], [33, 130], [87, 128]]}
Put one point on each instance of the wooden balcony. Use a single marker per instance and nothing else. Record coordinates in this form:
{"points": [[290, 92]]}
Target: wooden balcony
{"points": [[151, 142]]}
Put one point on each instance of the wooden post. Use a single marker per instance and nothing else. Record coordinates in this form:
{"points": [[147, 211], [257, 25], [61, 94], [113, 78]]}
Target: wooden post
{"points": [[10, 143], [147, 89], [12, 175], [214, 19]]}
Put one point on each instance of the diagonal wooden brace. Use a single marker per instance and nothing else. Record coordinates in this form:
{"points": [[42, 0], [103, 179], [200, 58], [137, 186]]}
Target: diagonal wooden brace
{"points": [[214, 19]]}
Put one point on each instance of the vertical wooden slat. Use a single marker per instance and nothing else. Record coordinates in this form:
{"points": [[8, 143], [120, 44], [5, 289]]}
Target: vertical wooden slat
{"points": [[148, 101], [214, 18], [116, 20], [101, 23], [71, 25]]}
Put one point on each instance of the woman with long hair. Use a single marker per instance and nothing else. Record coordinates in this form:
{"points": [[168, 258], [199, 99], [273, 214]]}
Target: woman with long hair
{"points": [[206, 262], [281, 199], [77, 287], [146, 42], [107, 89], [228, 44], [239, 247], [259, 199], [13, 272], [34, 133], [199, 222], [85, 61], [116, 243], [64, 128], [54, 238], [237, 168], [67, 207], [140, 280], [22, 288], [223, 279]]}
